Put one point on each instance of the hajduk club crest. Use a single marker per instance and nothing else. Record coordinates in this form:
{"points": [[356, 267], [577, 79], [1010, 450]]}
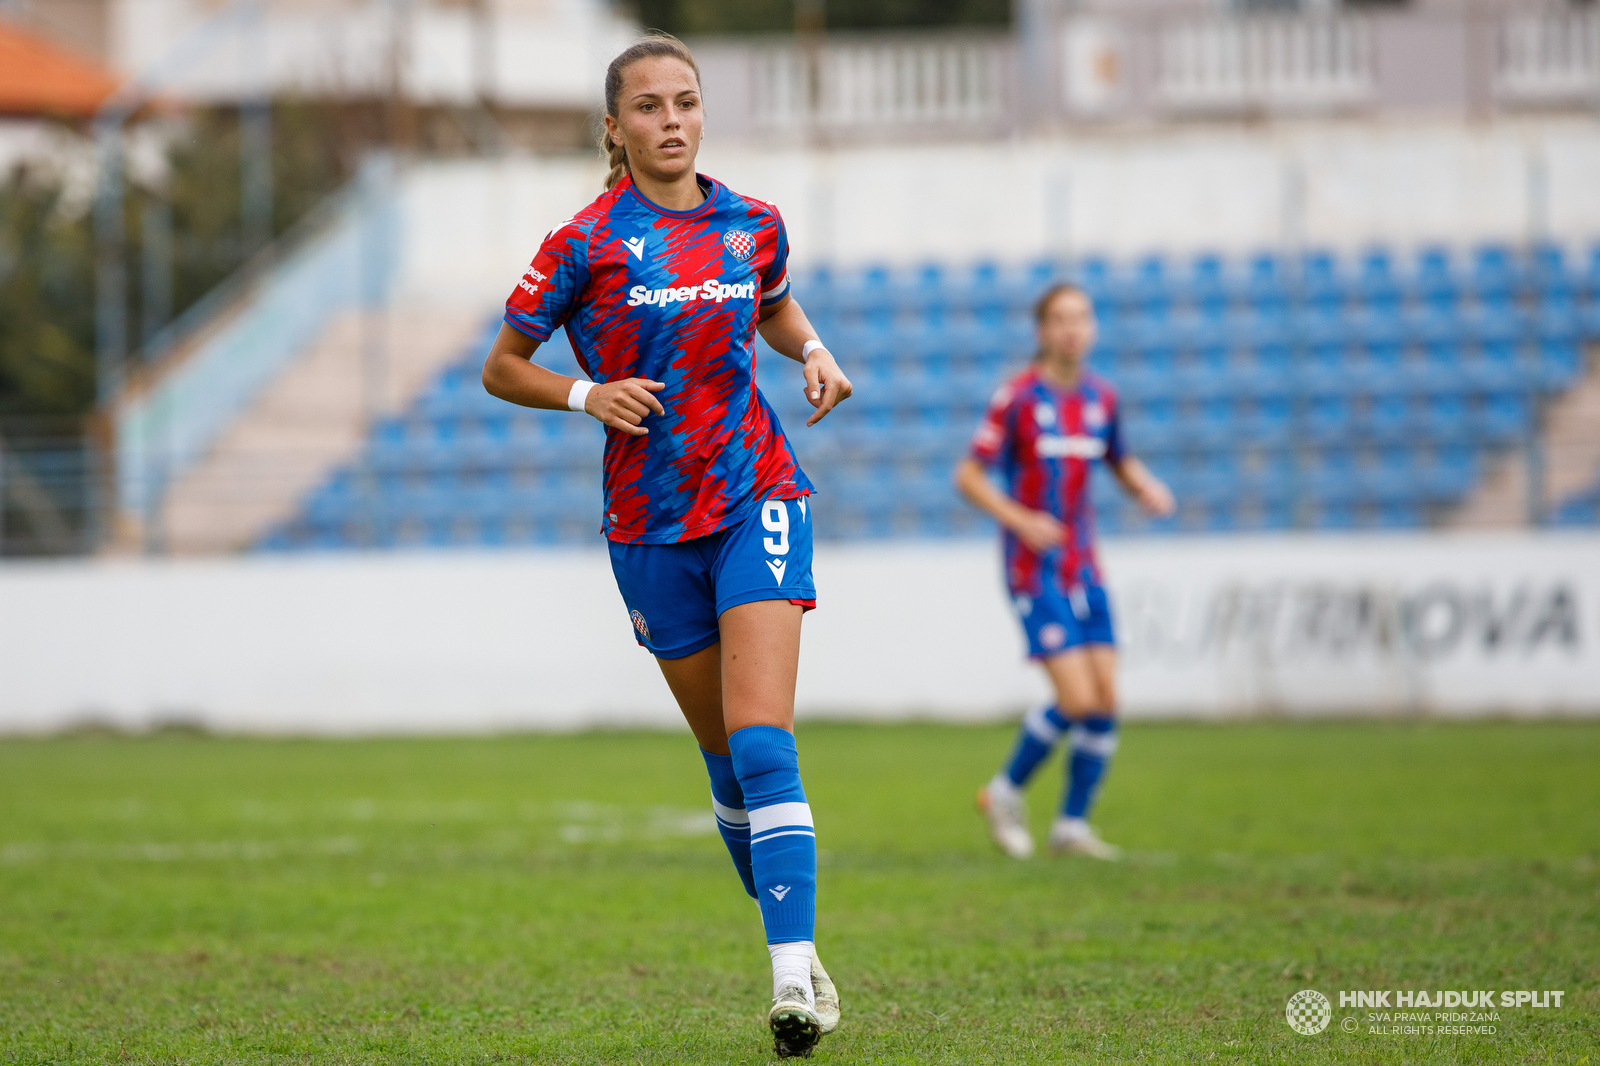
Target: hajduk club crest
{"points": [[739, 243]]}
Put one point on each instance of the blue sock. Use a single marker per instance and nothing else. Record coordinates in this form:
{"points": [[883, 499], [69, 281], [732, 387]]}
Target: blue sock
{"points": [[1041, 728], [1093, 740], [727, 800], [783, 843]]}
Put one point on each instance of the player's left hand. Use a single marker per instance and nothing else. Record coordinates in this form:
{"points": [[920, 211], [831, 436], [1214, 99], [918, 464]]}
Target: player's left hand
{"points": [[1156, 498], [826, 385]]}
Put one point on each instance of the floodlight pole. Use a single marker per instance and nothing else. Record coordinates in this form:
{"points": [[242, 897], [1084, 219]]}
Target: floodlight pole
{"points": [[110, 272], [255, 136], [110, 225]]}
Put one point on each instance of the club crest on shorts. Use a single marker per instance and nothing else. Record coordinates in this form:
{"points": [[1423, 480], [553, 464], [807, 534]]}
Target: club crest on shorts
{"points": [[739, 244], [640, 624]]}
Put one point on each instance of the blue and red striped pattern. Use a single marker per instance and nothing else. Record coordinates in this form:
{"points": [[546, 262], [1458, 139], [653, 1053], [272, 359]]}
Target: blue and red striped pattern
{"points": [[1042, 438], [667, 295]]}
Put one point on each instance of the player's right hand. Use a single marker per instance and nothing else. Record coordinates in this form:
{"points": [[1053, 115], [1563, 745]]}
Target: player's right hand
{"points": [[1039, 530], [624, 404]]}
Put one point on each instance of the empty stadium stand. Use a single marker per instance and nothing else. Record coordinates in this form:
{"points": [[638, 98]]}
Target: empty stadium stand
{"points": [[1273, 392]]}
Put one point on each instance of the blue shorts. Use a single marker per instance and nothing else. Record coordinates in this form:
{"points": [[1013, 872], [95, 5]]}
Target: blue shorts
{"points": [[1057, 622], [676, 592]]}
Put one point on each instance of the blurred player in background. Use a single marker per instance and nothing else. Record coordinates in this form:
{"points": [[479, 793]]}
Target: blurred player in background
{"points": [[662, 284], [1041, 432]]}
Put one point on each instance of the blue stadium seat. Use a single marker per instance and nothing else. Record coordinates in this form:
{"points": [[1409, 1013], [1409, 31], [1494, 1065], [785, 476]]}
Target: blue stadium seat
{"points": [[1230, 371], [1207, 284], [1377, 285], [1437, 286], [1452, 474], [1321, 282], [1505, 417], [1494, 274], [1551, 279], [1591, 275], [1560, 363]]}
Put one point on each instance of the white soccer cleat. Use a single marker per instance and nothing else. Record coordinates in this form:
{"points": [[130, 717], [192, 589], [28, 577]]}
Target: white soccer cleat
{"points": [[1007, 814], [794, 1023], [1073, 836], [826, 996]]}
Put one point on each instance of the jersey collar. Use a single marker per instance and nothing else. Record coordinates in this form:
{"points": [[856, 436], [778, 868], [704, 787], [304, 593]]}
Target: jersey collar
{"points": [[711, 186]]}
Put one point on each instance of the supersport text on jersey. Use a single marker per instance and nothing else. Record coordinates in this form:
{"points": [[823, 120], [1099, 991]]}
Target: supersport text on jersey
{"points": [[672, 296], [1041, 438]]}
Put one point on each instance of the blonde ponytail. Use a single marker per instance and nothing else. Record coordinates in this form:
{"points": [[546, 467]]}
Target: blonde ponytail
{"points": [[654, 44]]}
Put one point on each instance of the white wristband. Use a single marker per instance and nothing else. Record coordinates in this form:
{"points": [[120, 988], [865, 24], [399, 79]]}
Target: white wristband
{"points": [[575, 398], [809, 347]]}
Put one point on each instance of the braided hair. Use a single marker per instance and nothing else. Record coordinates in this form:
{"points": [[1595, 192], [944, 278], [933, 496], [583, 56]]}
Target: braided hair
{"points": [[655, 44]]}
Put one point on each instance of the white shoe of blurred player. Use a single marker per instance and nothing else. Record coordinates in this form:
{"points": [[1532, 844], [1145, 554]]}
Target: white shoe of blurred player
{"points": [[826, 995], [1006, 811], [1073, 836], [794, 1023]]}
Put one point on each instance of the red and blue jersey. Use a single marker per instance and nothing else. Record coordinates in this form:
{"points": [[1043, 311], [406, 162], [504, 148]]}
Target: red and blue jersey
{"points": [[1041, 439], [672, 296]]}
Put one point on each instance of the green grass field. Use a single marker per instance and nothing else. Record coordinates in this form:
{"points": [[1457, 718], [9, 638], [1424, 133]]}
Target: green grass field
{"points": [[566, 899]]}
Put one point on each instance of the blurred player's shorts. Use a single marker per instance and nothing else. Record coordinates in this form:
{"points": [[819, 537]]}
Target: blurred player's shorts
{"points": [[676, 592], [1057, 621]]}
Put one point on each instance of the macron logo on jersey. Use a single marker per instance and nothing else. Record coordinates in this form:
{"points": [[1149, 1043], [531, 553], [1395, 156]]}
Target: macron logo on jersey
{"points": [[636, 246], [710, 289]]}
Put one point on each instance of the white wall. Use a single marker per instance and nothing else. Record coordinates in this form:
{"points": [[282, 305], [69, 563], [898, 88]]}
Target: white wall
{"points": [[471, 227], [541, 53], [1457, 625]]}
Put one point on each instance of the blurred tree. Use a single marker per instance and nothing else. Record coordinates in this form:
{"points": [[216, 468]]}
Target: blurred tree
{"points": [[689, 17], [316, 148], [47, 247], [46, 299]]}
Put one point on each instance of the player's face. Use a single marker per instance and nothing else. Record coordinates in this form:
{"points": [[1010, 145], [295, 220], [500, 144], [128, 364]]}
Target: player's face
{"points": [[1068, 330], [659, 118]]}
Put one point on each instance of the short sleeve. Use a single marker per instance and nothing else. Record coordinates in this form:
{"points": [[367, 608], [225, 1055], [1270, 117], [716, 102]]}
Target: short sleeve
{"points": [[1113, 431], [775, 280], [992, 437], [549, 289]]}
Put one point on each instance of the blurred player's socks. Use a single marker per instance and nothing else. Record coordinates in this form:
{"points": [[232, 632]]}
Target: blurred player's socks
{"points": [[1041, 729], [783, 843], [1094, 739], [733, 821]]}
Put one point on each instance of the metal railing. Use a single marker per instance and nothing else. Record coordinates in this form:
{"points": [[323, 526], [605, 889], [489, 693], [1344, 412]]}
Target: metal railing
{"points": [[1106, 64], [1549, 57], [52, 477], [883, 82], [231, 345], [1268, 62]]}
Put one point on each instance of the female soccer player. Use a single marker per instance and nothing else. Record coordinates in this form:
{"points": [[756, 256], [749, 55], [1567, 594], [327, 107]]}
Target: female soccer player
{"points": [[1041, 430], [662, 283]]}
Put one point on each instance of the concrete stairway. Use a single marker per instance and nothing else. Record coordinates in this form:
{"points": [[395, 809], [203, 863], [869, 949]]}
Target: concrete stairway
{"points": [[312, 418], [1571, 458]]}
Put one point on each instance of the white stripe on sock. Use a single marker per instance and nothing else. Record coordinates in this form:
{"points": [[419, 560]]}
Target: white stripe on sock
{"points": [[761, 838], [1101, 744], [731, 815], [776, 815], [1042, 728]]}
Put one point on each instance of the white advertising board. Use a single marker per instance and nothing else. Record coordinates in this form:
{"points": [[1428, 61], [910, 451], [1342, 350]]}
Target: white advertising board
{"points": [[1209, 627]]}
